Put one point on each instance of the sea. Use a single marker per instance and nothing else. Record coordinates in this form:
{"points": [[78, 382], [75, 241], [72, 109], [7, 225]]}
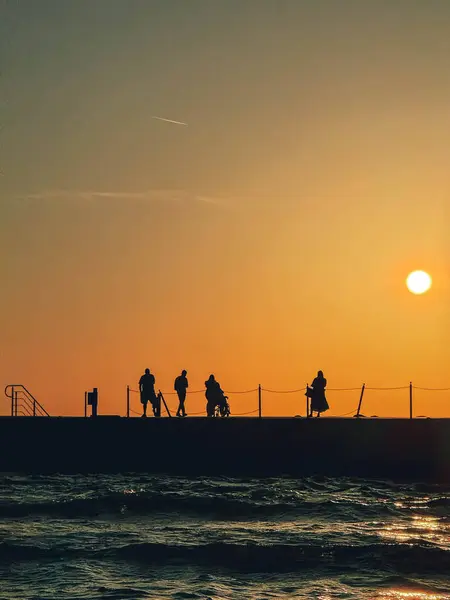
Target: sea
{"points": [[134, 536]]}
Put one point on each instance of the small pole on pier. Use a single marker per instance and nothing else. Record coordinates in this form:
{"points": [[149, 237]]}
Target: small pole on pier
{"points": [[94, 401], [259, 401], [12, 401], [307, 401], [410, 400], [161, 397], [128, 401], [360, 400], [16, 396], [85, 403]]}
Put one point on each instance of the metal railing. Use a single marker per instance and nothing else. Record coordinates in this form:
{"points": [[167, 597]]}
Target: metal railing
{"points": [[23, 403], [258, 392]]}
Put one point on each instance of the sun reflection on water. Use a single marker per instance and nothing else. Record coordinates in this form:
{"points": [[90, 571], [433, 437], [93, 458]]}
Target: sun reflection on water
{"points": [[410, 595], [425, 528], [413, 503]]}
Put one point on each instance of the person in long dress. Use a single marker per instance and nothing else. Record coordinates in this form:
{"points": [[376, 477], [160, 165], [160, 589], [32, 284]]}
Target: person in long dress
{"points": [[319, 402]]}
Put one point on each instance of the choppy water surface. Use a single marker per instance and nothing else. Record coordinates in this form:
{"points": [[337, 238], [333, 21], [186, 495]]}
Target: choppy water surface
{"points": [[134, 536]]}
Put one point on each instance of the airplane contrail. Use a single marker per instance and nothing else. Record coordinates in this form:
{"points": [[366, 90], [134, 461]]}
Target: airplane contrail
{"points": [[170, 121]]}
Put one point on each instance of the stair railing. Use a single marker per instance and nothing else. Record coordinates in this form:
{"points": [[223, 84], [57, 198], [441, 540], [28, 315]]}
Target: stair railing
{"points": [[23, 402]]}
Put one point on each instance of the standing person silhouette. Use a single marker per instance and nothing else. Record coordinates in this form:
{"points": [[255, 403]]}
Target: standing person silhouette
{"points": [[319, 402], [180, 386], [147, 390]]}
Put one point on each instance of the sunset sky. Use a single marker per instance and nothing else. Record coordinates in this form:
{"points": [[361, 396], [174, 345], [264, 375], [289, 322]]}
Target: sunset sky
{"points": [[267, 239]]}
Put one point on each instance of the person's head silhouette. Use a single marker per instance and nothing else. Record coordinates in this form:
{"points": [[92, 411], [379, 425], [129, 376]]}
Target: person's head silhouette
{"points": [[147, 371], [211, 378], [320, 374], [184, 372]]}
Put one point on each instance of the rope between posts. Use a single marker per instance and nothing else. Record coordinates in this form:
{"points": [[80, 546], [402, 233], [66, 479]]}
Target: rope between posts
{"points": [[303, 389], [246, 413], [283, 391], [354, 389], [346, 414], [385, 389], [170, 393], [251, 412], [416, 387], [204, 390], [244, 392]]}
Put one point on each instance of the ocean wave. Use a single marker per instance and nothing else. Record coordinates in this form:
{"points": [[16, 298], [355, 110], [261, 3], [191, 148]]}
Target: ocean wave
{"points": [[439, 502], [207, 506], [406, 559]]}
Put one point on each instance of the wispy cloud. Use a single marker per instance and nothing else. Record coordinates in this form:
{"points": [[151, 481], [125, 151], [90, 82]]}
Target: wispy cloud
{"points": [[152, 195], [170, 121]]}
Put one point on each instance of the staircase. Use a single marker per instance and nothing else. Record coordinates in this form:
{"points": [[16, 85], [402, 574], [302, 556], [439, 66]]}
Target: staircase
{"points": [[23, 403]]}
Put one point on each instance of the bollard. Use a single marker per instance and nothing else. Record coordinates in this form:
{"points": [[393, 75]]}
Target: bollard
{"points": [[128, 401]]}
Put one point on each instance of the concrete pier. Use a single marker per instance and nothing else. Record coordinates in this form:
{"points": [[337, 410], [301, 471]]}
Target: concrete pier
{"points": [[398, 449]]}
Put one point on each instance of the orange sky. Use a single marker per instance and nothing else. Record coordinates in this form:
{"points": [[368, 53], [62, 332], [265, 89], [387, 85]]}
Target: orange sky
{"points": [[269, 238]]}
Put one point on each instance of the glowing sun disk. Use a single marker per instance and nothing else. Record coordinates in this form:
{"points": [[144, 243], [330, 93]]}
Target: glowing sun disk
{"points": [[418, 282]]}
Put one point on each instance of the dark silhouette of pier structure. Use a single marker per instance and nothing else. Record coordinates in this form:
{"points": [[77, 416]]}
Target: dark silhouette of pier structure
{"points": [[410, 448]]}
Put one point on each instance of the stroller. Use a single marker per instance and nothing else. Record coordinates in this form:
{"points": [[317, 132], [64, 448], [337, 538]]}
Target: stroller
{"points": [[222, 409]]}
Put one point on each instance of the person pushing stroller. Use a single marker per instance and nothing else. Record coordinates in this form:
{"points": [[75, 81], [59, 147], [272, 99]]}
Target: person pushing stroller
{"points": [[215, 397]]}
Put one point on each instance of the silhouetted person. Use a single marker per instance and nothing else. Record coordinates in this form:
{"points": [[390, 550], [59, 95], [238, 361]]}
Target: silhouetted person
{"points": [[319, 402], [214, 395], [147, 389], [180, 386]]}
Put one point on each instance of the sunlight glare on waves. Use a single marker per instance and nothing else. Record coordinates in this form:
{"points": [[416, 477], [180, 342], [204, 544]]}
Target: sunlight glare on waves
{"points": [[404, 595], [427, 528]]}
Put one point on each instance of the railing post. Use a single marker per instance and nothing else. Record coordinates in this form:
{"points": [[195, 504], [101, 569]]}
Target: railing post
{"points": [[85, 404], [161, 397], [410, 400], [16, 395], [259, 401], [128, 401], [307, 401], [94, 402], [360, 400], [12, 400]]}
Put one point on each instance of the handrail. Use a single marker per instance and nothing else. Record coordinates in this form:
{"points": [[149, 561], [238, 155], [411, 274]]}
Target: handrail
{"points": [[30, 406], [25, 412], [13, 394], [28, 410]]}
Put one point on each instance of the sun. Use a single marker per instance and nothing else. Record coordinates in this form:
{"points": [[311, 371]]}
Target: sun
{"points": [[418, 282]]}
